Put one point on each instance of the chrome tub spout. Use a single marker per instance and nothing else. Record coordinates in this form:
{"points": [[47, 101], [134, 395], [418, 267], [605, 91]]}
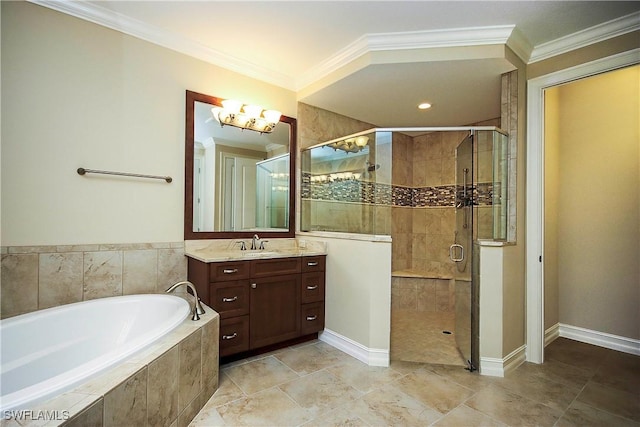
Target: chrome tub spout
{"points": [[197, 305]]}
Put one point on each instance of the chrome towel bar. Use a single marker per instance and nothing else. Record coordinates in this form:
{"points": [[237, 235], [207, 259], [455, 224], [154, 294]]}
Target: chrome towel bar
{"points": [[82, 171]]}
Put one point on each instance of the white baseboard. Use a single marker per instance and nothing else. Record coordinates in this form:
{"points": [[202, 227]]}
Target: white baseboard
{"points": [[551, 334], [495, 367], [601, 339], [370, 356]]}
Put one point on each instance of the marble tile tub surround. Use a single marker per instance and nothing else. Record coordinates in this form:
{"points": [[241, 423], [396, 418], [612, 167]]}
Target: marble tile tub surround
{"points": [[229, 249], [164, 385], [38, 277]]}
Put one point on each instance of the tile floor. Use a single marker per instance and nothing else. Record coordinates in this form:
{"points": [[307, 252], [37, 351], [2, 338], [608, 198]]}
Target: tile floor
{"points": [[418, 337], [316, 385]]}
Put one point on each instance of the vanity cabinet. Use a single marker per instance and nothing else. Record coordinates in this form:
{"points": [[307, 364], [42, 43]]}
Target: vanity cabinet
{"points": [[262, 302]]}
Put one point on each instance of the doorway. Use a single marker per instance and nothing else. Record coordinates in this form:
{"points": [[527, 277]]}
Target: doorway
{"points": [[535, 228]]}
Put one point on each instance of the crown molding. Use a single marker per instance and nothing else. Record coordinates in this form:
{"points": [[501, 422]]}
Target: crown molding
{"points": [[473, 36], [586, 37], [133, 27], [520, 45]]}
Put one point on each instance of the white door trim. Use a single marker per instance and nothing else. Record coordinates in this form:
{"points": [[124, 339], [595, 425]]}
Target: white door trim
{"points": [[535, 188]]}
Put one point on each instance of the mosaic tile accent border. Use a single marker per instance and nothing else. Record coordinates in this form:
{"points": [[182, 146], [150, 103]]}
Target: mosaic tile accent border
{"points": [[356, 191]]}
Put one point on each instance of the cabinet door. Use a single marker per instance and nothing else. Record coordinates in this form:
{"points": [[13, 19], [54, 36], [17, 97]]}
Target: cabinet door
{"points": [[275, 309], [312, 287], [230, 299], [274, 267], [313, 263], [312, 318], [232, 270], [234, 335]]}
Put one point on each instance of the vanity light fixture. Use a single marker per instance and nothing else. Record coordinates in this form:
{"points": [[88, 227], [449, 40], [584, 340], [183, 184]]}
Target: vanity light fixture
{"points": [[252, 117], [350, 145], [424, 106]]}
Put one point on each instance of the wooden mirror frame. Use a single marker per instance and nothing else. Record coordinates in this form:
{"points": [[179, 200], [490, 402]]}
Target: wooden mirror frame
{"points": [[189, 234]]}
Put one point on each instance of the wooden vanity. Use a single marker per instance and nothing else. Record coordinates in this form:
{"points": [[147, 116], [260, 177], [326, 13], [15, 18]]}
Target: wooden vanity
{"points": [[262, 302]]}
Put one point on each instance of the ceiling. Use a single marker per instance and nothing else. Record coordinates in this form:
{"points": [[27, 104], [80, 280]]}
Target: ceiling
{"points": [[370, 60]]}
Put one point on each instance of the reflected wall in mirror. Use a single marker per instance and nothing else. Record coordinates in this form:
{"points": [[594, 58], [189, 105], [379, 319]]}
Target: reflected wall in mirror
{"points": [[237, 182]]}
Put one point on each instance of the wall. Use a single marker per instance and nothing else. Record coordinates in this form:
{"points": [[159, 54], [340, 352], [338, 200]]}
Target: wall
{"points": [[76, 94], [612, 46], [598, 211], [358, 282], [513, 121]]}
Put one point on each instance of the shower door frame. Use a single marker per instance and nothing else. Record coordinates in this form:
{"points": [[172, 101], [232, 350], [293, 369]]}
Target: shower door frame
{"points": [[462, 253]]}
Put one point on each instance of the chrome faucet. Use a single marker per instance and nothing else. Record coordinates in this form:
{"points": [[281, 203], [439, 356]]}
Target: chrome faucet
{"points": [[197, 306], [254, 242]]}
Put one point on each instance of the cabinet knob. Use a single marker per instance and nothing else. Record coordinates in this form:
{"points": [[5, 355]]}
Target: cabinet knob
{"points": [[312, 318], [312, 288], [230, 270], [230, 337], [254, 285], [225, 299], [312, 263]]}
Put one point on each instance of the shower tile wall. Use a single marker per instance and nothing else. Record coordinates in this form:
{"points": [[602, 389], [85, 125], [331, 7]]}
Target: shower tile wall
{"points": [[401, 211], [37, 277], [418, 294], [315, 126]]}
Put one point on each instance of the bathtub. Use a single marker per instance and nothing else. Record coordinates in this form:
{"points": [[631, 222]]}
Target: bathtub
{"points": [[47, 352]]}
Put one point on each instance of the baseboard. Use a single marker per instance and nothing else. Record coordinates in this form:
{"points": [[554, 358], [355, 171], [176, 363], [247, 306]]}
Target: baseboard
{"points": [[370, 356], [601, 339], [551, 334], [495, 367]]}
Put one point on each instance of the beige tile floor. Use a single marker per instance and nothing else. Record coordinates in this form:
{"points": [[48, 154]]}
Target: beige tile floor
{"points": [[316, 385], [417, 336]]}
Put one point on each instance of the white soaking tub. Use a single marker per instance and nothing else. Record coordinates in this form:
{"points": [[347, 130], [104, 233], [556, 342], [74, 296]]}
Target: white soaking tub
{"points": [[49, 351]]}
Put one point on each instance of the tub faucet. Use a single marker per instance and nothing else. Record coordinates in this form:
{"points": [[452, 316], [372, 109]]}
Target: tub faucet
{"points": [[197, 306], [254, 242]]}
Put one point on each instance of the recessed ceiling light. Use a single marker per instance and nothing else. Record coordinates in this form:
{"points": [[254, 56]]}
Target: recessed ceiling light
{"points": [[424, 106]]}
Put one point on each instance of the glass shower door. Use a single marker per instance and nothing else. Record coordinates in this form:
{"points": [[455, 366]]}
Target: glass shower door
{"points": [[461, 253]]}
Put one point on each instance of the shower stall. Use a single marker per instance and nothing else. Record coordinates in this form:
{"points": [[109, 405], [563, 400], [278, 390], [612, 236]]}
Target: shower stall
{"points": [[436, 192]]}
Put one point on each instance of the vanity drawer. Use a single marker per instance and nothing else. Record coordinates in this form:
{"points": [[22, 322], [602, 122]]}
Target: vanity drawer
{"points": [[234, 335], [312, 287], [232, 270], [230, 298], [275, 266], [312, 318], [313, 263]]}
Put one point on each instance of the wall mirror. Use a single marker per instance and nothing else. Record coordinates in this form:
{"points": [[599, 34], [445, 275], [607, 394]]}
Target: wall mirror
{"points": [[237, 182]]}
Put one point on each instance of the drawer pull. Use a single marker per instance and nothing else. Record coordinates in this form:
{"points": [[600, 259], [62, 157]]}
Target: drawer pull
{"points": [[312, 288], [312, 263], [312, 318], [230, 270], [230, 337], [225, 299]]}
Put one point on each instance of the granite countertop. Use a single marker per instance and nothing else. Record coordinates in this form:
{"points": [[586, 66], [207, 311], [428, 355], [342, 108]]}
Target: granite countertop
{"points": [[229, 249]]}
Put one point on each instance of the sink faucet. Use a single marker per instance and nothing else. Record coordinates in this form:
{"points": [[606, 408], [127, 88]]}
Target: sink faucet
{"points": [[197, 306], [254, 242]]}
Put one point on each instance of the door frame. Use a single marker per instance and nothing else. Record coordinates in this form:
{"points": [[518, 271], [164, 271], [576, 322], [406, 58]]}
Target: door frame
{"points": [[534, 263]]}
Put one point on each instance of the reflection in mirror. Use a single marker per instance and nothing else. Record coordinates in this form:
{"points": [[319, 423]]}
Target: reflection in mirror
{"points": [[238, 182]]}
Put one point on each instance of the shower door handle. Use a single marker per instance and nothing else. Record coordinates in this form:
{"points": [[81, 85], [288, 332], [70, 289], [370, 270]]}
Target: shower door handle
{"points": [[452, 252]]}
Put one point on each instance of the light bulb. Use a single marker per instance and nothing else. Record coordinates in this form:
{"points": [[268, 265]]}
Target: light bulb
{"points": [[362, 140], [272, 116], [253, 111], [232, 106]]}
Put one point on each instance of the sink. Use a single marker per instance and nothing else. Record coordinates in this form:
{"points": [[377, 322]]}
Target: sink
{"points": [[258, 254]]}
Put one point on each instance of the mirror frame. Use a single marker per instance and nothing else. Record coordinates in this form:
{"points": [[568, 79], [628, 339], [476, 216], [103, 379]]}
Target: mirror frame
{"points": [[189, 234]]}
